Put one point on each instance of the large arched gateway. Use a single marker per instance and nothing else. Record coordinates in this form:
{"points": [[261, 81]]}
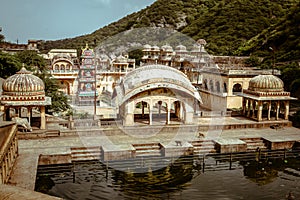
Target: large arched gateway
{"points": [[158, 91]]}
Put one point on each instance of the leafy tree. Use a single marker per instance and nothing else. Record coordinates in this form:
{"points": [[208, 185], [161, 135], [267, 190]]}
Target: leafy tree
{"points": [[136, 54], [9, 65], [58, 98], [31, 59], [253, 61], [1, 38]]}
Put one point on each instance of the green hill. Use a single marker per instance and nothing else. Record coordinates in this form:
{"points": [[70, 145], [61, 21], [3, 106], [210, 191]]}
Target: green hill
{"points": [[230, 27], [283, 38]]}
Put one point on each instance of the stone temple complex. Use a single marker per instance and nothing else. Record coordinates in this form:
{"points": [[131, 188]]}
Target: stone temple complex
{"points": [[176, 103]]}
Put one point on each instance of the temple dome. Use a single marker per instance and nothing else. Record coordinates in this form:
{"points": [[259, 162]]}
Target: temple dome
{"points": [[23, 83], [147, 47], [181, 48], [167, 48], [266, 83]]}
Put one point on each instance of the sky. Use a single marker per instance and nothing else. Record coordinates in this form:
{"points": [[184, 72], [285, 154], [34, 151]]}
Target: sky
{"points": [[60, 19]]}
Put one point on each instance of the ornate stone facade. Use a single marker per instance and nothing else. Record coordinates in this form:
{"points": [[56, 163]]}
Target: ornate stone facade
{"points": [[87, 91], [24, 90], [64, 67]]}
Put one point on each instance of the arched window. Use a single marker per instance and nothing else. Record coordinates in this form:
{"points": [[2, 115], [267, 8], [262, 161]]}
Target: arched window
{"points": [[218, 86], [62, 67], [237, 88]]}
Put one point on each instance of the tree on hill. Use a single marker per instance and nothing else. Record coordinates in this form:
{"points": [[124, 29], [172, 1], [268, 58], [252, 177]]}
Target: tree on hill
{"points": [[1, 38]]}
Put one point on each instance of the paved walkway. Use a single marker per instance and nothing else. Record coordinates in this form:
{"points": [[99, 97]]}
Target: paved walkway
{"points": [[24, 172]]}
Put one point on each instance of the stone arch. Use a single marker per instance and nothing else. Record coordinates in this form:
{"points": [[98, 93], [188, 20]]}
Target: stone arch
{"points": [[141, 112], [155, 83], [160, 111], [62, 67]]}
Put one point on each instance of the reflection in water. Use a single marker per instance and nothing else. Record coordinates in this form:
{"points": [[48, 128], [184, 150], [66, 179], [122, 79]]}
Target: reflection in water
{"points": [[183, 179]]}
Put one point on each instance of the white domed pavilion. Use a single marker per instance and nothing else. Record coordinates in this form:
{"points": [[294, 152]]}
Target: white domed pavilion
{"points": [[266, 92]]}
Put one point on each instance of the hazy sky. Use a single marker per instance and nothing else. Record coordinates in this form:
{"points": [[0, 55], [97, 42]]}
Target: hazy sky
{"points": [[59, 19]]}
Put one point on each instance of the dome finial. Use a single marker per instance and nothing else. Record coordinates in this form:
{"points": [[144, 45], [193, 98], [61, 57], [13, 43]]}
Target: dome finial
{"points": [[23, 70]]}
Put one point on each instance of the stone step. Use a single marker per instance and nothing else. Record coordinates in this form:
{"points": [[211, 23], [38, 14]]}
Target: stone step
{"points": [[251, 139], [204, 151], [150, 152], [85, 158], [201, 141], [47, 169], [254, 148], [145, 154], [53, 133], [85, 153], [74, 149], [146, 144], [256, 144], [147, 148], [254, 141], [204, 147]]}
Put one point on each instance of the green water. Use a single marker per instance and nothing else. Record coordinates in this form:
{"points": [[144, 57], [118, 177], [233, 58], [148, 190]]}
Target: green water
{"points": [[267, 179]]}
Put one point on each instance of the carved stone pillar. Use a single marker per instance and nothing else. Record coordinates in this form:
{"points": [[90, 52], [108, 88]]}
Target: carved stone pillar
{"points": [[168, 114], [259, 111], [150, 116], [286, 110], [269, 110], [43, 117], [244, 105], [277, 110]]}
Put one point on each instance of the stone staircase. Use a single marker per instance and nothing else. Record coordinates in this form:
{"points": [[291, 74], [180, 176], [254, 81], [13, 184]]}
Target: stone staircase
{"points": [[254, 143], [85, 153], [203, 147], [147, 149], [52, 133]]}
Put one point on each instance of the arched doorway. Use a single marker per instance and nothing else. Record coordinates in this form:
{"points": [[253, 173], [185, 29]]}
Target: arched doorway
{"points": [[177, 111], [142, 112], [160, 112]]}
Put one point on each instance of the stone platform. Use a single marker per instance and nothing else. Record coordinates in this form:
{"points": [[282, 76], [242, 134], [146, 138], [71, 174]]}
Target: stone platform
{"points": [[117, 142]]}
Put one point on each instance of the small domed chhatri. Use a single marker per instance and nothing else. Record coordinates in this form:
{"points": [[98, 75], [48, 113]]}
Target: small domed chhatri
{"points": [[23, 83], [266, 83], [266, 92], [24, 91]]}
